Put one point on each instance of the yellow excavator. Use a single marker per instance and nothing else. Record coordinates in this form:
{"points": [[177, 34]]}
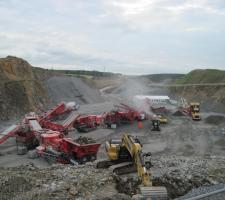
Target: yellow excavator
{"points": [[126, 156]]}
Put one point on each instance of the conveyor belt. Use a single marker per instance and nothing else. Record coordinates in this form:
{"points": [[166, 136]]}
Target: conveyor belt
{"points": [[68, 122], [34, 125], [9, 132]]}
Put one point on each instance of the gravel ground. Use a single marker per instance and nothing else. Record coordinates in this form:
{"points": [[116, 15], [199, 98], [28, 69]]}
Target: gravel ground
{"points": [[178, 174], [204, 191], [186, 154]]}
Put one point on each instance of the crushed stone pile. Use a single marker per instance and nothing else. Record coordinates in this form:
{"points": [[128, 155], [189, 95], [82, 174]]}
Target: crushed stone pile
{"points": [[215, 119], [85, 140], [64, 88], [57, 182], [181, 174], [178, 174]]}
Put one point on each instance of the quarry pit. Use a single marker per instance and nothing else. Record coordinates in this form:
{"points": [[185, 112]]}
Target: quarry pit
{"points": [[186, 154]]}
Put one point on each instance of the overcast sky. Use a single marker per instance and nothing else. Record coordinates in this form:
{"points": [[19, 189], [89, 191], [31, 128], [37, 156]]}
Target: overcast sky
{"points": [[126, 36]]}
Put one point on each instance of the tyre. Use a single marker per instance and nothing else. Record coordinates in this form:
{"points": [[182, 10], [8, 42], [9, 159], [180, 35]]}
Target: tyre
{"points": [[32, 154], [93, 157], [83, 160], [21, 150]]}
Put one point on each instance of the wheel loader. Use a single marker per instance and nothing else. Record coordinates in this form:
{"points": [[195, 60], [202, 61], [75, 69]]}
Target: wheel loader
{"points": [[125, 156], [162, 119]]}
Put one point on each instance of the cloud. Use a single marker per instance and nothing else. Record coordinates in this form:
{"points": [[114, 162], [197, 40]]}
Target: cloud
{"points": [[151, 14], [202, 6], [50, 50], [129, 36], [196, 29]]}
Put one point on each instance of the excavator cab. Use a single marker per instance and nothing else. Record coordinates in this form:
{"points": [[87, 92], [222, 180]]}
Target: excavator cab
{"points": [[112, 148]]}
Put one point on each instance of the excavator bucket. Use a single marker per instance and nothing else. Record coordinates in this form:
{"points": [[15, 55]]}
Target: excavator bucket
{"points": [[154, 192]]}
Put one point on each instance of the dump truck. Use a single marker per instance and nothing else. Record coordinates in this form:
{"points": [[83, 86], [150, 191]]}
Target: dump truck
{"points": [[192, 109], [162, 119]]}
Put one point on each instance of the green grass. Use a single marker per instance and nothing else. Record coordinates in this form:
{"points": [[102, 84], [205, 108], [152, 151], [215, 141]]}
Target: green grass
{"points": [[81, 76], [221, 142], [162, 77], [87, 74], [203, 76]]}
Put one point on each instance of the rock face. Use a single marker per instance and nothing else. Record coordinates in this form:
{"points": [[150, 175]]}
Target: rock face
{"points": [[212, 98], [21, 88], [211, 95], [24, 88]]}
